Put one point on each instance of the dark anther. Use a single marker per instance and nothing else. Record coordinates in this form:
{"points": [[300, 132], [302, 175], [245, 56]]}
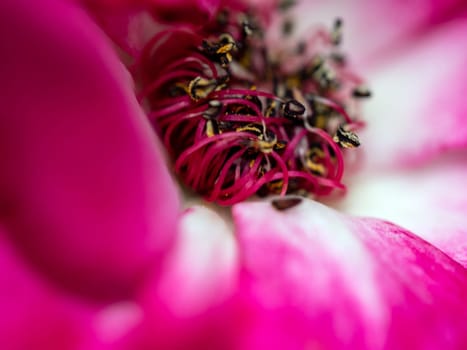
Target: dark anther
{"points": [[286, 203], [287, 27], [223, 17], [271, 108], [221, 50], [338, 58], [213, 110], [345, 138], [267, 141], [361, 92], [247, 28], [301, 48], [336, 33], [293, 109], [285, 5], [225, 39], [326, 78], [255, 100], [316, 64]]}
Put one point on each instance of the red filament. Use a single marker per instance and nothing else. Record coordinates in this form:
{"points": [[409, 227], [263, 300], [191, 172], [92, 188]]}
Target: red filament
{"points": [[239, 121]]}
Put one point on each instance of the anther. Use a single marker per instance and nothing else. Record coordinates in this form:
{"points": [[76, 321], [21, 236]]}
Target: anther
{"points": [[200, 87], [285, 5], [361, 92], [287, 27], [338, 58], [346, 138], [213, 110], [212, 128], [286, 203], [336, 33], [221, 50], [267, 142], [247, 28], [293, 109]]}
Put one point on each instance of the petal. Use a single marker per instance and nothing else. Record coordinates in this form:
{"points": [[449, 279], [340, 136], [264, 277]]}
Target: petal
{"points": [[373, 27], [84, 190], [204, 261], [418, 108], [183, 304], [35, 315], [130, 24], [429, 201], [318, 279]]}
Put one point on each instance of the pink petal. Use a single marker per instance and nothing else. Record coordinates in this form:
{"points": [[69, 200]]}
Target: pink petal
{"points": [[373, 27], [130, 24], [84, 191], [430, 201], [418, 109], [34, 314], [318, 279], [186, 11], [180, 304]]}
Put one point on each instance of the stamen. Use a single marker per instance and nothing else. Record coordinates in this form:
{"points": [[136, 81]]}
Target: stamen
{"points": [[282, 204], [361, 92], [293, 109], [238, 120], [345, 138]]}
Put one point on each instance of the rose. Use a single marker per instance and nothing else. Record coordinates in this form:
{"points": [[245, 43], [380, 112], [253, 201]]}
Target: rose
{"points": [[85, 226]]}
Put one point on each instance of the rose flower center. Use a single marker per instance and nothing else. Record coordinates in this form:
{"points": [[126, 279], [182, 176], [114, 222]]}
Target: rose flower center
{"points": [[240, 120]]}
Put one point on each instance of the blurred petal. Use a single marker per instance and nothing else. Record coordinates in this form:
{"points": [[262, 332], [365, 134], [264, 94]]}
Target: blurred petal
{"points": [[418, 109], [34, 314], [373, 27], [200, 274], [130, 24], [317, 279], [430, 201], [204, 261], [84, 190]]}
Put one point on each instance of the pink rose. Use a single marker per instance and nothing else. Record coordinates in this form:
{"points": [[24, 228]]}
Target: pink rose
{"points": [[96, 251]]}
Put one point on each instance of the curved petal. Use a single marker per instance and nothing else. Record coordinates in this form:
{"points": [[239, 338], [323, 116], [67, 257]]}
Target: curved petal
{"points": [[182, 303], [418, 109], [84, 190], [429, 201], [316, 279]]}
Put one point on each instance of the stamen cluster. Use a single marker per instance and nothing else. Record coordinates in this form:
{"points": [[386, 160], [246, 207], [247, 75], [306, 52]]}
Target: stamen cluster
{"points": [[240, 119]]}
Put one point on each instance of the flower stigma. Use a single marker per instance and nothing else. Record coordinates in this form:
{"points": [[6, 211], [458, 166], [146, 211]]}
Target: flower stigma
{"points": [[239, 119]]}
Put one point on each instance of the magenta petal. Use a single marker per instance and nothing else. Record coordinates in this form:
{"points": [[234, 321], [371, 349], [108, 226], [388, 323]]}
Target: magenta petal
{"points": [[317, 279], [34, 314], [184, 302], [418, 110], [84, 190], [186, 11]]}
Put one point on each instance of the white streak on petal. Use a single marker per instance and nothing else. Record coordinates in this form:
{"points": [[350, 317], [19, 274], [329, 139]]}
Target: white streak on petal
{"points": [[201, 271]]}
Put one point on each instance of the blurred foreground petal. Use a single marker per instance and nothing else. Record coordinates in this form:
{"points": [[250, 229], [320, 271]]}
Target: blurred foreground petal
{"points": [[184, 303], [34, 314], [84, 191]]}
